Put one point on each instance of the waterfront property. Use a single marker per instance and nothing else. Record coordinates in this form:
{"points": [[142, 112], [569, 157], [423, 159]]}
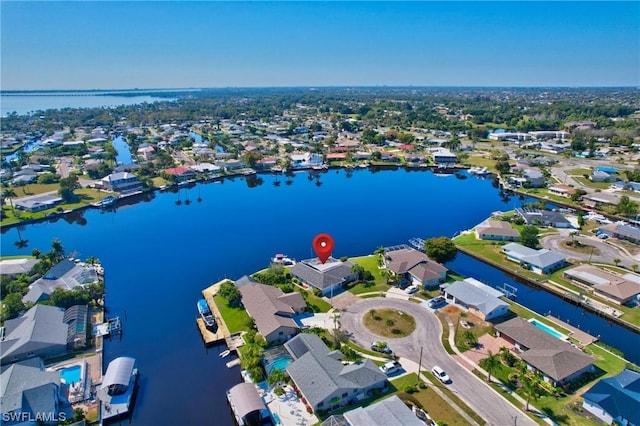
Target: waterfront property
{"points": [[324, 381], [38, 203], [414, 266], [66, 275], [28, 391], [272, 310], [562, 190], [615, 399], [15, 267], [76, 378], [558, 361], [540, 261], [327, 277], [388, 412], [620, 289], [121, 182], [247, 405], [539, 217], [479, 298], [497, 230], [118, 388]]}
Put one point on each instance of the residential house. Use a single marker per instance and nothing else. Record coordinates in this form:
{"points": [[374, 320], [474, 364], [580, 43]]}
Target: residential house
{"points": [[146, 151], [388, 412], [615, 400], [622, 232], [305, 160], [510, 136], [272, 310], [533, 178], [443, 157], [599, 199], [497, 230], [558, 361], [206, 168], [415, 266], [361, 156], [38, 203], [266, 163], [562, 190], [15, 267], [541, 261], [543, 218], [620, 289], [323, 380], [180, 174], [39, 332], [601, 176], [328, 277], [66, 275], [31, 395], [121, 182], [233, 165], [479, 298]]}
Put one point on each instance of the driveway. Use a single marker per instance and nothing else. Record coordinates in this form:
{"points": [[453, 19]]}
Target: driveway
{"points": [[474, 391]]}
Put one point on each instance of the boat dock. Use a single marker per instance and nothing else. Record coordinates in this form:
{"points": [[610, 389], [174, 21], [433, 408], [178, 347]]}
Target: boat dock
{"points": [[222, 332], [583, 338]]}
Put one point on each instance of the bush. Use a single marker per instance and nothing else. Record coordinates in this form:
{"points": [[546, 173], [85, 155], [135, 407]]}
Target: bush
{"points": [[278, 391], [422, 385], [410, 389]]}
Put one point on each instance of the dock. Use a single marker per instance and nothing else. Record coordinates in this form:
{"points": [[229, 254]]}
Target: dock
{"points": [[222, 332], [583, 338]]}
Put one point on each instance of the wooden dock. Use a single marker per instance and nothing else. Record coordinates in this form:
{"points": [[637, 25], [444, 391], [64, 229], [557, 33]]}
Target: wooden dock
{"points": [[222, 333], [208, 335], [583, 338]]}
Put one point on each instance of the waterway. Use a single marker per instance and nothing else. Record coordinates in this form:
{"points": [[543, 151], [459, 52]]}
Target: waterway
{"points": [[159, 254], [123, 153]]}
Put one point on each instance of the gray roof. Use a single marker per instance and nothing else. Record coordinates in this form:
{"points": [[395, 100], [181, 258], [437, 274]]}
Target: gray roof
{"points": [[542, 258], [481, 296], [65, 275], [497, 227], [17, 266], [304, 343], [118, 372], [26, 386], [619, 396], [416, 263], [245, 398], [320, 275], [554, 357], [269, 307], [39, 328], [542, 217], [318, 375], [388, 412]]}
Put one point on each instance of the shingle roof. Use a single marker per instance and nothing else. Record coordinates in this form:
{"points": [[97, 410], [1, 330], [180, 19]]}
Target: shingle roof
{"points": [[415, 263], [16, 266], [497, 227], [26, 386], [320, 275], [542, 258], [480, 296], [619, 395], [66, 275], [388, 412], [269, 307]]}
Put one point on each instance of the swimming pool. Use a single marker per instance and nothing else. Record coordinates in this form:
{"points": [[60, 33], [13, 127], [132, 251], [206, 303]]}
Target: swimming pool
{"points": [[71, 374], [276, 359], [549, 330]]}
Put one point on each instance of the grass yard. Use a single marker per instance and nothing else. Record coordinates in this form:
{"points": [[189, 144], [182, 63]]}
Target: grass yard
{"points": [[389, 323], [588, 183], [234, 317], [370, 263], [314, 303], [428, 400]]}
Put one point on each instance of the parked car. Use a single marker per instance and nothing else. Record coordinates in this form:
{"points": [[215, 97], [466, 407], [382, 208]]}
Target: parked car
{"points": [[440, 374], [411, 289], [381, 347], [436, 302], [603, 236], [391, 367]]}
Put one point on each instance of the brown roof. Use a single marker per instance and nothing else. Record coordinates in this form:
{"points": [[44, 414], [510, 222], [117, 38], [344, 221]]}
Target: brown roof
{"points": [[269, 307], [497, 227], [605, 282], [414, 262], [561, 187]]}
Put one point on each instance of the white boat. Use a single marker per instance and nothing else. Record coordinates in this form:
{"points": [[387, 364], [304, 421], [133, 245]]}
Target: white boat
{"points": [[205, 313], [225, 353], [283, 260], [479, 171]]}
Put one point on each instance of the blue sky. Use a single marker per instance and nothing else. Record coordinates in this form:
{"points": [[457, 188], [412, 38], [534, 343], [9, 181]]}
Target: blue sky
{"points": [[108, 45]]}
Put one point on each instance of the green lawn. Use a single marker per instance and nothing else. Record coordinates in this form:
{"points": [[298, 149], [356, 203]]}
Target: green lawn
{"points": [[314, 303], [370, 263], [579, 172], [588, 183], [390, 323], [235, 318]]}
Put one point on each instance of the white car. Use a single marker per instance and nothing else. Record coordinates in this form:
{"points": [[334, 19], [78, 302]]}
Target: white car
{"points": [[391, 367], [440, 374], [411, 289]]}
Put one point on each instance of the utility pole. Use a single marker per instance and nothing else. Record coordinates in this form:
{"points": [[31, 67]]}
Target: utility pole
{"points": [[420, 363]]}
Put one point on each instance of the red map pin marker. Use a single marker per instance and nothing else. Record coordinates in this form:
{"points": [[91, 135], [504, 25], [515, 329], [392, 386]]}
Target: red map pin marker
{"points": [[323, 246]]}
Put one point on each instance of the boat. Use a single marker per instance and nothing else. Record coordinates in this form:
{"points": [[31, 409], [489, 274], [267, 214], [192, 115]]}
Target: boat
{"points": [[283, 260], [478, 171], [417, 243], [205, 313], [117, 391], [225, 353]]}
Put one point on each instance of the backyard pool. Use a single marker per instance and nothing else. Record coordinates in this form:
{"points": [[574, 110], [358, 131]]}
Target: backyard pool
{"points": [[549, 330], [276, 359], [71, 375]]}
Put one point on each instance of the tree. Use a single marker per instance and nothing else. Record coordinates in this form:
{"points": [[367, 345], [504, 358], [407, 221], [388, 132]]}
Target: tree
{"points": [[626, 207], [276, 377], [12, 306], [531, 388], [358, 270], [67, 185], [491, 364], [503, 167], [470, 338], [529, 236], [229, 291], [617, 261], [57, 251], [440, 249]]}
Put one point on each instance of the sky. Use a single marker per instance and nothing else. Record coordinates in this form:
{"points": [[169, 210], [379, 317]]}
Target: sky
{"points": [[178, 44]]}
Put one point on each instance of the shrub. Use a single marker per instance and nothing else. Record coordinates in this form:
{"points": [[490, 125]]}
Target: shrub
{"points": [[410, 389], [278, 391], [422, 385]]}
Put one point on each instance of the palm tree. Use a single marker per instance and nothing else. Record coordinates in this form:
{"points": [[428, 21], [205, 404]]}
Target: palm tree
{"points": [[617, 261], [10, 194], [491, 364], [634, 267], [58, 250], [531, 388]]}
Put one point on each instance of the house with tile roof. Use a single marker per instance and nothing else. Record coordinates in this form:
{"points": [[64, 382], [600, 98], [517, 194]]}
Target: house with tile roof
{"points": [[541, 261], [619, 289], [327, 277], [556, 359], [415, 266], [272, 310], [615, 399], [323, 380], [498, 230], [479, 298]]}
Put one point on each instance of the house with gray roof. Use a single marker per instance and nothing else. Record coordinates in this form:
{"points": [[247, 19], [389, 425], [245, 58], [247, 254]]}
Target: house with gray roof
{"points": [[323, 380], [533, 178], [539, 217], [15, 267], [415, 266], [29, 393], [498, 230], [388, 412], [479, 298], [615, 399], [541, 261], [619, 289], [622, 232], [121, 182], [556, 359], [39, 332], [66, 275], [327, 277], [272, 310], [38, 203]]}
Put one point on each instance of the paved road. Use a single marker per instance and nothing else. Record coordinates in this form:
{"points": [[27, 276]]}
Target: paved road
{"points": [[474, 391], [607, 252]]}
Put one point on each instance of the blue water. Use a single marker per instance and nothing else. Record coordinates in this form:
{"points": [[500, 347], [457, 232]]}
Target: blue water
{"points": [[159, 255], [71, 374], [547, 329], [123, 153], [279, 363]]}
